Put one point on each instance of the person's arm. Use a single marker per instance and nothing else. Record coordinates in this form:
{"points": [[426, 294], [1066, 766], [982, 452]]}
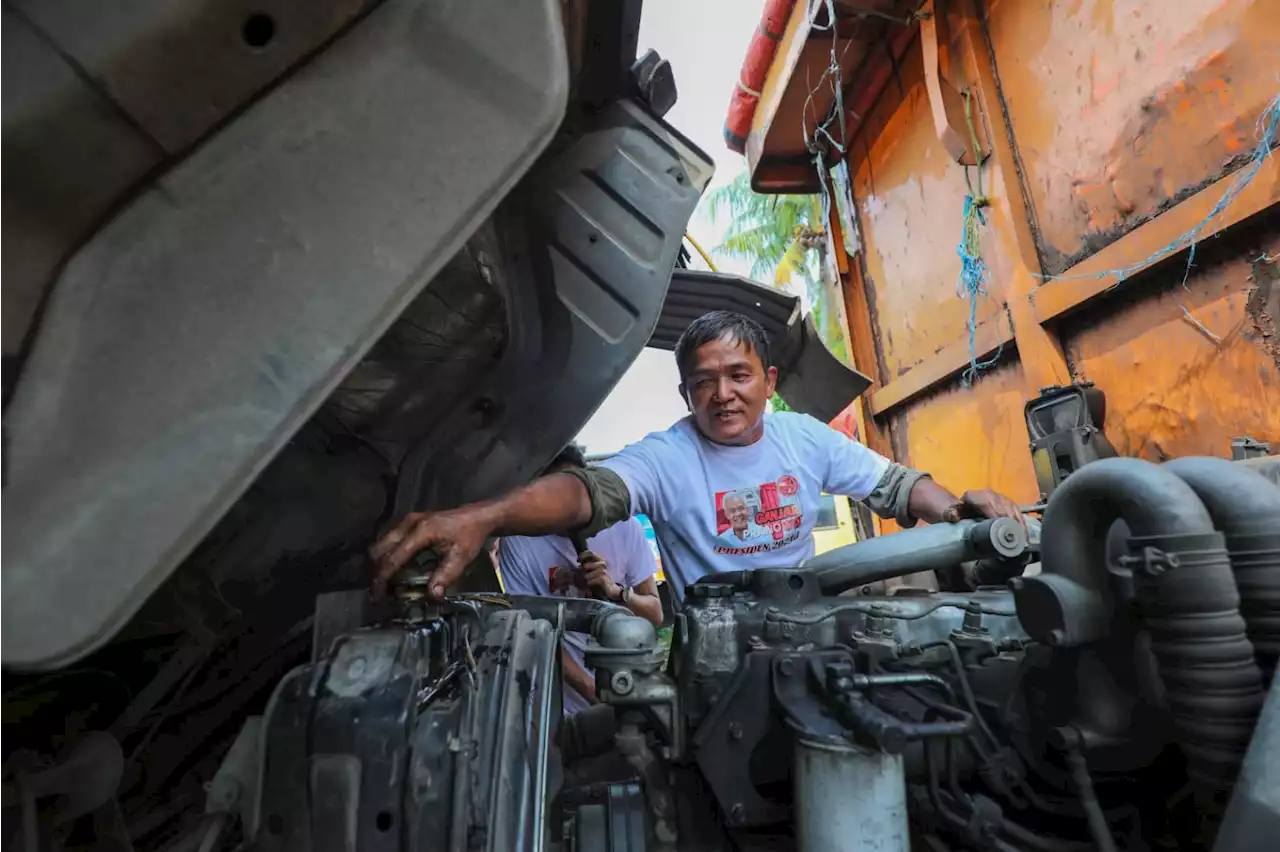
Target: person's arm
{"points": [[644, 601], [931, 503], [896, 491], [577, 678], [552, 504], [641, 600], [582, 501]]}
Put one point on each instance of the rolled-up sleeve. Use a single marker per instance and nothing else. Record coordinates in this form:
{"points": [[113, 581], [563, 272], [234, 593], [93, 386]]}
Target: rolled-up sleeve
{"points": [[610, 499], [891, 498]]}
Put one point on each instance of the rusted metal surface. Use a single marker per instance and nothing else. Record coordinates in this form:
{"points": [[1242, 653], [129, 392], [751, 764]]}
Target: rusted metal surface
{"points": [[990, 337], [910, 196], [1114, 127], [1172, 389], [868, 40], [1124, 107], [1084, 282], [975, 437]]}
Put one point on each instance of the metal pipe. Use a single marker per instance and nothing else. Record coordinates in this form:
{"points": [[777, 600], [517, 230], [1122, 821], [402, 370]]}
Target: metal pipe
{"points": [[929, 548], [826, 776], [541, 764], [1245, 507], [581, 615], [1098, 827], [658, 793]]}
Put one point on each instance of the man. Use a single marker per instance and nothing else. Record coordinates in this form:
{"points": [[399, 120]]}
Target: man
{"points": [[738, 517], [617, 566], [727, 444]]}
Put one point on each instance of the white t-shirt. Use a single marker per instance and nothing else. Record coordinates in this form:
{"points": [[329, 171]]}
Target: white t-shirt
{"points": [[548, 565], [682, 482]]}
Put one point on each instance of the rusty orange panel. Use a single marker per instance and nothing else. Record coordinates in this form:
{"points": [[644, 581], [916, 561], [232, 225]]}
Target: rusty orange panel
{"points": [[1122, 107], [910, 197], [1172, 389], [973, 437]]}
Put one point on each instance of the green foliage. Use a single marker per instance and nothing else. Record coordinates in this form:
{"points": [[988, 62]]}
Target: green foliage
{"points": [[782, 236], [779, 404], [774, 232]]}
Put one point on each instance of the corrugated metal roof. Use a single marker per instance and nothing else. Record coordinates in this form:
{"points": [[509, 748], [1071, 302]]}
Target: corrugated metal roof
{"points": [[693, 293]]}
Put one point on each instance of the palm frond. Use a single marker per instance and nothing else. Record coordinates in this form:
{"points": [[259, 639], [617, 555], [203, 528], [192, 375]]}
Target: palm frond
{"points": [[771, 231], [792, 263]]}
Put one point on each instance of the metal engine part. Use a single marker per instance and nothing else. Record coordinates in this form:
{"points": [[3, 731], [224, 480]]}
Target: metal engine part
{"points": [[431, 736], [768, 647]]}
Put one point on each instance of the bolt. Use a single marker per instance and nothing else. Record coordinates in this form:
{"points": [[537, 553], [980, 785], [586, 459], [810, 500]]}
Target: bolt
{"points": [[356, 668], [623, 683], [1056, 638], [735, 731], [737, 812], [787, 667]]}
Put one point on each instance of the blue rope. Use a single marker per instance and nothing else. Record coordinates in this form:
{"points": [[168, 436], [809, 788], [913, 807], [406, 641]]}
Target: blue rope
{"points": [[973, 274], [1267, 126]]}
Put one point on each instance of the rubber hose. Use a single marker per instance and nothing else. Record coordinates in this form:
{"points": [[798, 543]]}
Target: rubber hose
{"points": [[1245, 507], [1186, 593]]}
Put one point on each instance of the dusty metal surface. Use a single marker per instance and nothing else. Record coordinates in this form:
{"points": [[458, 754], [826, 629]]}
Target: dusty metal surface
{"points": [[263, 266], [910, 195], [178, 67], [1124, 107], [1172, 390], [975, 437], [1114, 128]]}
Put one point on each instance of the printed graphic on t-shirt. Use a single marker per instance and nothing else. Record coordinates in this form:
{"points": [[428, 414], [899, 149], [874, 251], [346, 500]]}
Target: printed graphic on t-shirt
{"points": [[567, 582], [758, 518]]}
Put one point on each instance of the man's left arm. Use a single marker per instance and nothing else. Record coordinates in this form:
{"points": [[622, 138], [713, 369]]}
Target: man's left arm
{"points": [[899, 492]]}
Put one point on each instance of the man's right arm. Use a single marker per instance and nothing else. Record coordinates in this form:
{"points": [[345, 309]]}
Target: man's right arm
{"points": [[556, 504]]}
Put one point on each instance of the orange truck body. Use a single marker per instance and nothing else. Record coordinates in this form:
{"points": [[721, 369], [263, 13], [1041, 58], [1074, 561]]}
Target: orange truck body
{"points": [[1107, 129]]}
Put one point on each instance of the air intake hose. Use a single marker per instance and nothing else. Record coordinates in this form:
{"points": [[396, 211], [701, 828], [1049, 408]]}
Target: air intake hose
{"points": [[1245, 507], [1185, 591]]}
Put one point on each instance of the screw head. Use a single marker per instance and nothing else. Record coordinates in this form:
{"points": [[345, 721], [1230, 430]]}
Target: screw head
{"points": [[357, 667], [787, 667], [737, 812], [735, 731], [1056, 638]]}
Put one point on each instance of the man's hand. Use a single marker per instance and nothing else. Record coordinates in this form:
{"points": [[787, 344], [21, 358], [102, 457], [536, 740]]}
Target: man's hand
{"points": [[456, 536], [596, 574], [983, 504]]}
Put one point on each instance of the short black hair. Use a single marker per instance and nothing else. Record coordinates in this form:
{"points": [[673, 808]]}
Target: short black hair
{"points": [[721, 325], [570, 456]]}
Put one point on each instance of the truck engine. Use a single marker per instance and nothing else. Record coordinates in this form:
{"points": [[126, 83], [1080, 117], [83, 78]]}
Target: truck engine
{"points": [[1093, 681]]}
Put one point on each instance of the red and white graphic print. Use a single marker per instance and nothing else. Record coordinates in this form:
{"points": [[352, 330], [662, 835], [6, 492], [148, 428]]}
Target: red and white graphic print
{"points": [[758, 518]]}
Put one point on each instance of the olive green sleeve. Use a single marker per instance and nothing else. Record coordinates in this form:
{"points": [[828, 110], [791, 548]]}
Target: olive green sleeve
{"points": [[891, 497], [610, 499]]}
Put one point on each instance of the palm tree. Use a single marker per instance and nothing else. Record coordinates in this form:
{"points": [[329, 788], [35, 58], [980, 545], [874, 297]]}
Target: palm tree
{"points": [[781, 235]]}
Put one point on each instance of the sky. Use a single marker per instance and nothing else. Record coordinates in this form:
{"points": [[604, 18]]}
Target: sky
{"points": [[705, 41]]}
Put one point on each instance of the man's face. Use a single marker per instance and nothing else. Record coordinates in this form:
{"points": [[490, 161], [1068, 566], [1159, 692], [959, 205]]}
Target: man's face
{"points": [[726, 389], [735, 509]]}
